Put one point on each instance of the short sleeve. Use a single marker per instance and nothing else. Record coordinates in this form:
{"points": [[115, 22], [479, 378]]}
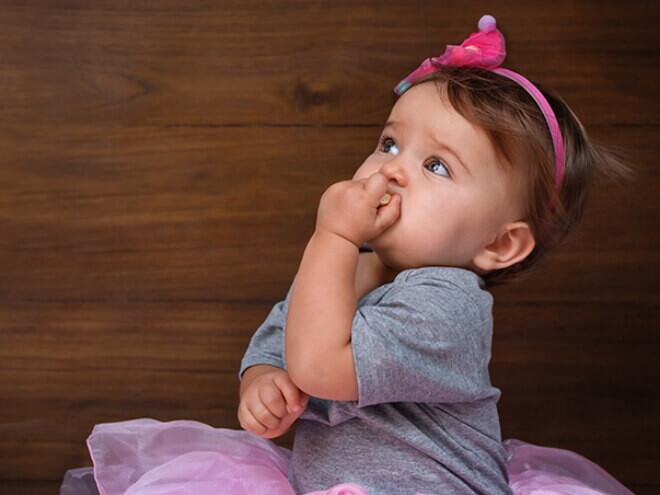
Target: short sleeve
{"points": [[267, 343], [427, 341]]}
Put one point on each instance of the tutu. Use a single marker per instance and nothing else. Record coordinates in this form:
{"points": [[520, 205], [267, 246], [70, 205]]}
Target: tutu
{"points": [[535, 470], [147, 457]]}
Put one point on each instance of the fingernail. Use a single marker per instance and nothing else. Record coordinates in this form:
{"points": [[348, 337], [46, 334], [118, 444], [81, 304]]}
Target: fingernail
{"points": [[385, 199]]}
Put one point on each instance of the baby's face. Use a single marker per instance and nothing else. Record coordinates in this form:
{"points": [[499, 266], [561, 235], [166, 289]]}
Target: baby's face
{"points": [[455, 196]]}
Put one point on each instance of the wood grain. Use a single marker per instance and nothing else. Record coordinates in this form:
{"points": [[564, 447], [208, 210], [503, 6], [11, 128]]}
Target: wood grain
{"points": [[160, 168]]}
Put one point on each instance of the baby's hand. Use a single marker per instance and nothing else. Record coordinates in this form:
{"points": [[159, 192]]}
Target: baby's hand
{"points": [[358, 210], [270, 402]]}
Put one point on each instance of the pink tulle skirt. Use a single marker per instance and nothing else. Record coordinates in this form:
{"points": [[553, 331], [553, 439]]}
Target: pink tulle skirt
{"points": [[147, 457]]}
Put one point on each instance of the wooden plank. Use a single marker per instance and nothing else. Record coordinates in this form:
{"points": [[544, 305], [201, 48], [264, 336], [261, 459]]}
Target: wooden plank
{"points": [[164, 63]]}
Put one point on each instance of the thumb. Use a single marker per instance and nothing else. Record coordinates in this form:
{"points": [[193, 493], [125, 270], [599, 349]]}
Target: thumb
{"points": [[389, 213]]}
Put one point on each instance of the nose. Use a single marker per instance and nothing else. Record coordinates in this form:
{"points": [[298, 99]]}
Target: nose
{"points": [[395, 171]]}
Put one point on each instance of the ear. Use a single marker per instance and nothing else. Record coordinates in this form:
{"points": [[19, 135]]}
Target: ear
{"points": [[512, 245]]}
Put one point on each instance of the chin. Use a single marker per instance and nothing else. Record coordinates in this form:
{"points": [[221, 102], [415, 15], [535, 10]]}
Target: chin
{"points": [[391, 259]]}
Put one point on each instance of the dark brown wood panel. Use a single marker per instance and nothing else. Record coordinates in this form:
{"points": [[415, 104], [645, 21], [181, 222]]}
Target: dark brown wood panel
{"points": [[113, 226], [167, 63], [161, 163]]}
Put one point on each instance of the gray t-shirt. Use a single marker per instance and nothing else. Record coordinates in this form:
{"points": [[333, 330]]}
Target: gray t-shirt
{"points": [[426, 419]]}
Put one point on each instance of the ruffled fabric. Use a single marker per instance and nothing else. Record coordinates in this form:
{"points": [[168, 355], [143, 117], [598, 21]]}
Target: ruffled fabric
{"points": [[148, 457], [535, 470]]}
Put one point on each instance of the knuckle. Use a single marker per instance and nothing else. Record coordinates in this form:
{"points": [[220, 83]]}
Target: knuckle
{"points": [[290, 393], [271, 397], [282, 379], [335, 188], [270, 393], [243, 413], [263, 416], [273, 404], [286, 386]]}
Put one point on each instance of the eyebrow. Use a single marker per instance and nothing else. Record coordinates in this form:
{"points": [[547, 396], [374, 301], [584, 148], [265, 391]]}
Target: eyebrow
{"points": [[439, 144]]}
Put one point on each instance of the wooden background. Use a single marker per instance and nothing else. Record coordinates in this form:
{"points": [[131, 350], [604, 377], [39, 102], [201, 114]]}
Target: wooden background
{"points": [[160, 166]]}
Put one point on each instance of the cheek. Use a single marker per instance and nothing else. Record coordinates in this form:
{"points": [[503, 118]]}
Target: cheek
{"points": [[444, 227], [424, 222]]}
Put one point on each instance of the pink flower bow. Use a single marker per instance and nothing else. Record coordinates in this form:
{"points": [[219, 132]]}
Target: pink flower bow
{"points": [[485, 49]]}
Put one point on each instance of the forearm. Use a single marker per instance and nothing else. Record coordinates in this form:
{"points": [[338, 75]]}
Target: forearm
{"points": [[318, 348], [318, 331]]}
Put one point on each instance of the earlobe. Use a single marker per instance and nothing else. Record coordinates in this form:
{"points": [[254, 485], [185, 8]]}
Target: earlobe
{"points": [[514, 243]]}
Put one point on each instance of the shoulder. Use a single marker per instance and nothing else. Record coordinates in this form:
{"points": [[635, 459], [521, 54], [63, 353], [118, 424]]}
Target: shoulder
{"points": [[442, 289]]}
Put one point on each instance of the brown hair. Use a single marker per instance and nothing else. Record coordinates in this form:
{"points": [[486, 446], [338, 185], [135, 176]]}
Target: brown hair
{"points": [[519, 133]]}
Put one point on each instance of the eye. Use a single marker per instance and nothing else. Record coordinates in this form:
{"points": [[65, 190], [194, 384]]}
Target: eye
{"points": [[437, 167], [387, 145]]}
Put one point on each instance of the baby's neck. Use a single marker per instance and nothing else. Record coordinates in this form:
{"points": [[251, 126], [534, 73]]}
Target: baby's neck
{"points": [[371, 273]]}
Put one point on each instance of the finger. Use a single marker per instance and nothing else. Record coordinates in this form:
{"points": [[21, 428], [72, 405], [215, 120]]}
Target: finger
{"points": [[287, 421], [296, 399], [376, 186], [389, 213], [248, 422], [270, 434], [299, 404], [272, 398], [281, 429], [263, 416]]}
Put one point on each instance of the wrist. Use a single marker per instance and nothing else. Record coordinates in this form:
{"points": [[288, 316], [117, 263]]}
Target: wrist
{"points": [[338, 241]]}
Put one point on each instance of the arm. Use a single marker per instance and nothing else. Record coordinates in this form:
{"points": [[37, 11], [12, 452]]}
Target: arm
{"points": [[318, 335], [269, 402], [318, 331]]}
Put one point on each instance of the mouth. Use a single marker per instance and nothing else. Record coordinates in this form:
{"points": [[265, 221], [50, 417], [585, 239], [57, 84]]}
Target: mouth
{"points": [[387, 197]]}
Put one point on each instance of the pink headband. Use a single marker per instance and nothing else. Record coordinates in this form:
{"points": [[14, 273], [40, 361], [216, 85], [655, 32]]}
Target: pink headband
{"points": [[486, 49]]}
